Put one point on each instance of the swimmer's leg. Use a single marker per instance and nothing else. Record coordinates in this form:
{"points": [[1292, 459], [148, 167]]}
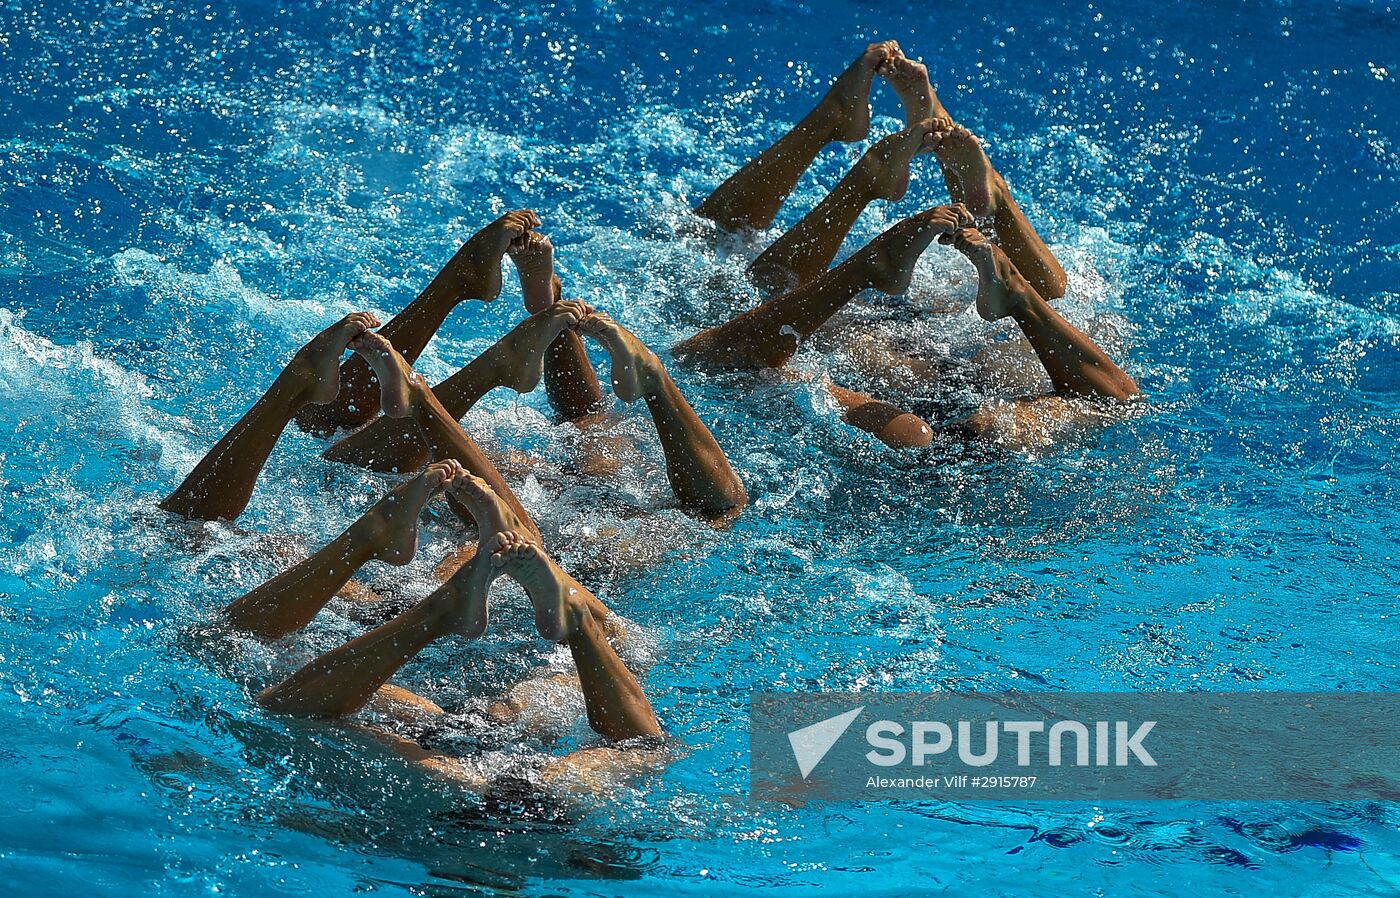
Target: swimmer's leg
{"points": [[221, 484], [1075, 363], [569, 380], [342, 680], [769, 335], [974, 182], [889, 424], [753, 194], [565, 611], [404, 706], [808, 247], [445, 438], [473, 273], [387, 532], [696, 466], [516, 361]]}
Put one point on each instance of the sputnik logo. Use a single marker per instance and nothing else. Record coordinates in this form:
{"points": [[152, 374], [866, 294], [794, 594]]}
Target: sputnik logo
{"points": [[811, 743]]}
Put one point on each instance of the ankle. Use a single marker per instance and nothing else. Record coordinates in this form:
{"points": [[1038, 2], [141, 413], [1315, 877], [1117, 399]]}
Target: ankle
{"points": [[926, 106], [437, 611], [577, 614], [823, 123], [861, 271], [861, 183], [368, 535], [653, 377], [1000, 194], [293, 387], [443, 295], [502, 363], [537, 300], [540, 289], [423, 405], [1023, 304]]}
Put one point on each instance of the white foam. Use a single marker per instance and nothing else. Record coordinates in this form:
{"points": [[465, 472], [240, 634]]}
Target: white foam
{"points": [[69, 387]]}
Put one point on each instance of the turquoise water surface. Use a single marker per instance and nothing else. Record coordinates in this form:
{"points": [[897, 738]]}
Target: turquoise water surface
{"points": [[189, 192]]}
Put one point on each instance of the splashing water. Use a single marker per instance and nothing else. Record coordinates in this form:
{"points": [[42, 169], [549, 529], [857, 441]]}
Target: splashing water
{"points": [[190, 192]]}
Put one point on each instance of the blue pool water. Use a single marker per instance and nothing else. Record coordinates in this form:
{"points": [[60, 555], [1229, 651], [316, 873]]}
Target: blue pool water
{"points": [[188, 192]]}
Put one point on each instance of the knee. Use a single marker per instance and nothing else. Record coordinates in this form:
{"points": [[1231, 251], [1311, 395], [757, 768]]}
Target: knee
{"points": [[907, 431], [771, 278], [726, 507], [891, 426]]}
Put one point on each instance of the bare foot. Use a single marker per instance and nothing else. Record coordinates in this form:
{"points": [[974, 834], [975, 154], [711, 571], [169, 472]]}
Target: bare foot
{"points": [[885, 166], [1000, 287], [557, 600], [847, 104], [393, 521], [892, 255], [492, 515], [463, 601], [316, 366], [533, 256], [477, 265], [395, 376], [635, 368], [909, 78], [961, 155], [522, 351]]}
